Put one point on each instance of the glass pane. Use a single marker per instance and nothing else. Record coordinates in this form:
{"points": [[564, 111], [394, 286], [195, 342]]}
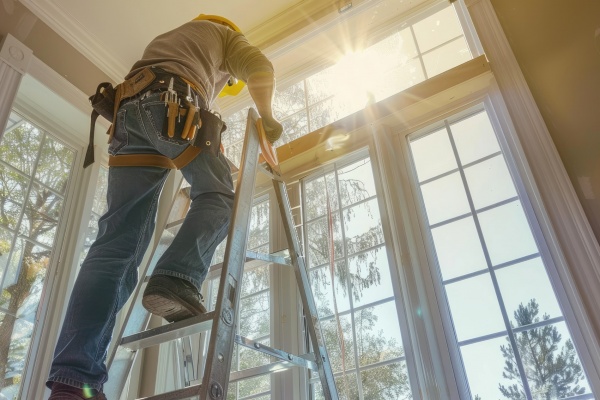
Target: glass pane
{"points": [[551, 363], [6, 238], [27, 139], [408, 73], [323, 292], [259, 225], [378, 334], [319, 242], [370, 277], [289, 101], [432, 155], [490, 182], [17, 332], [13, 189], [55, 165], [294, 127], [25, 273], [332, 334], [356, 182], [318, 196], [389, 382], [474, 308], [458, 248], [234, 152], [445, 198], [236, 126], [437, 29], [517, 290], [255, 280], [474, 138], [446, 57], [506, 233], [253, 386], [321, 85], [255, 316], [362, 226], [347, 386], [485, 367], [44, 201]]}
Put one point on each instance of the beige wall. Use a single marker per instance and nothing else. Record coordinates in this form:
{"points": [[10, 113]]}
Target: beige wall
{"points": [[558, 52]]}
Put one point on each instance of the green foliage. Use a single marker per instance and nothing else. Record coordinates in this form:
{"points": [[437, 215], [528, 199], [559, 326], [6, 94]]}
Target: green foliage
{"points": [[553, 371]]}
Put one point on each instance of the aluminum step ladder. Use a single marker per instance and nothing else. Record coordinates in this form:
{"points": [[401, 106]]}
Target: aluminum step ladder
{"points": [[221, 323]]}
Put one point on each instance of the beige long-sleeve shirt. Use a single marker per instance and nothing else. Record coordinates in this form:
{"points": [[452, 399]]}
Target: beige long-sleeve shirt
{"points": [[204, 53]]}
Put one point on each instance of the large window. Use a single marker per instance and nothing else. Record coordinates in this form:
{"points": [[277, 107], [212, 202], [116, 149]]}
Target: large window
{"points": [[354, 288], [417, 50], [35, 172], [504, 317]]}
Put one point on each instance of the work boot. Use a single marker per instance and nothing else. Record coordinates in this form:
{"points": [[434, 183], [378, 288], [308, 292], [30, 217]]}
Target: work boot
{"points": [[60, 391], [172, 298]]}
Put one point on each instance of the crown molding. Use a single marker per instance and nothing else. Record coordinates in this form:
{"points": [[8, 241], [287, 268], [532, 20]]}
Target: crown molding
{"points": [[77, 36]]}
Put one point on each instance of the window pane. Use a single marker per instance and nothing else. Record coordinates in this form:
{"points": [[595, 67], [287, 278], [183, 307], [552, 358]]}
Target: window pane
{"points": [[445, 198], [253, 386], [27, 139], [18, 334], [6, 239], [396, 377], [517, 289], [324, 292], [356, 182], [370, 278], [432, 155], [347, 386], [319, 241], [54, 165], [437, 29], [474, 138], [474, 307], [377, 334], [506, 233], [333, 332], [485, 366], [362, 226], [320, 196], [490, 182], [321, 85], [458, 248], [289, 101], [294, 127]]}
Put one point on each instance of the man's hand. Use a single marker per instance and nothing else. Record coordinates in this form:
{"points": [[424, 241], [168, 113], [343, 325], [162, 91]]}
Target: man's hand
{"points": [[273, 128]]}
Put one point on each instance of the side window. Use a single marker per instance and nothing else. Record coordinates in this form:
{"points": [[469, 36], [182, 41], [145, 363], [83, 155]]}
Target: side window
{"points": [[35, 173]]}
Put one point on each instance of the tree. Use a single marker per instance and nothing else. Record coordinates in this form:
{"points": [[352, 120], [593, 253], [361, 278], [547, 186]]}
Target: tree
{"points": [[34, 175], [552, 372]]}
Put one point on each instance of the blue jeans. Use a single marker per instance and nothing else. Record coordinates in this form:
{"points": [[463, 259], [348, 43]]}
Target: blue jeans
{"points": [[108, 275]]}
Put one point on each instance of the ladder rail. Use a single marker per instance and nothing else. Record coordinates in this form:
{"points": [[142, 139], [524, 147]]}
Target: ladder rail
{"points": [[223, 321]]}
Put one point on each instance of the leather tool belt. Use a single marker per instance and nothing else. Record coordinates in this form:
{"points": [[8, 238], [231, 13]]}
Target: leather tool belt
{"points": [[199, 126]]}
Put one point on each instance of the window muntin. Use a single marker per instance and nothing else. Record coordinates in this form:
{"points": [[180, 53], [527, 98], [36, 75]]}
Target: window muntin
{"points": [[35, 172], [369, 362], [416, 51], [503, 310]]}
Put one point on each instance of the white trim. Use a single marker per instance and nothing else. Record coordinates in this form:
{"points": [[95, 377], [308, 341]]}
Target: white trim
{"points": [[573, 245], [77, 36]]}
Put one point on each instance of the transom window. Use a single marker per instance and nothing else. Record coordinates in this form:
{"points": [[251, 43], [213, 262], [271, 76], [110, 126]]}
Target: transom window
{"points": [[414, 52]]}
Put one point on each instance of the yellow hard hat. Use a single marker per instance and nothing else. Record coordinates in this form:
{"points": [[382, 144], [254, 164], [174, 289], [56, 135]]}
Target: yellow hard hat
{"points": [[219, 20]]}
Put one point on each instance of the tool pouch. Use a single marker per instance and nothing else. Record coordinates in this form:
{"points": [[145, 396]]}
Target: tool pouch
{"points": [[208, 137], [103, 101]]}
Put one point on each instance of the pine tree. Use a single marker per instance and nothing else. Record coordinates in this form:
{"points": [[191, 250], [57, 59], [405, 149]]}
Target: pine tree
{"points": [[553, 372]]}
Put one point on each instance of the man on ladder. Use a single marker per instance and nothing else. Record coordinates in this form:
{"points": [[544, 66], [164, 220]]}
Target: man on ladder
{"points": [[160, 121]]}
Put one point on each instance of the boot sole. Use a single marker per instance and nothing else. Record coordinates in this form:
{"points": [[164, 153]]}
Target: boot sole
{"points": [[166, 304]]}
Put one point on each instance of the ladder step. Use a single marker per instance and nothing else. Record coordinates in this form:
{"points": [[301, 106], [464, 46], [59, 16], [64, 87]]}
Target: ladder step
{"points": [[165, 333]]}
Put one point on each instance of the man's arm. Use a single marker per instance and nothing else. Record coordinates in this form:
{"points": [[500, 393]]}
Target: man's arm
{"points": [[261, 86]]}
